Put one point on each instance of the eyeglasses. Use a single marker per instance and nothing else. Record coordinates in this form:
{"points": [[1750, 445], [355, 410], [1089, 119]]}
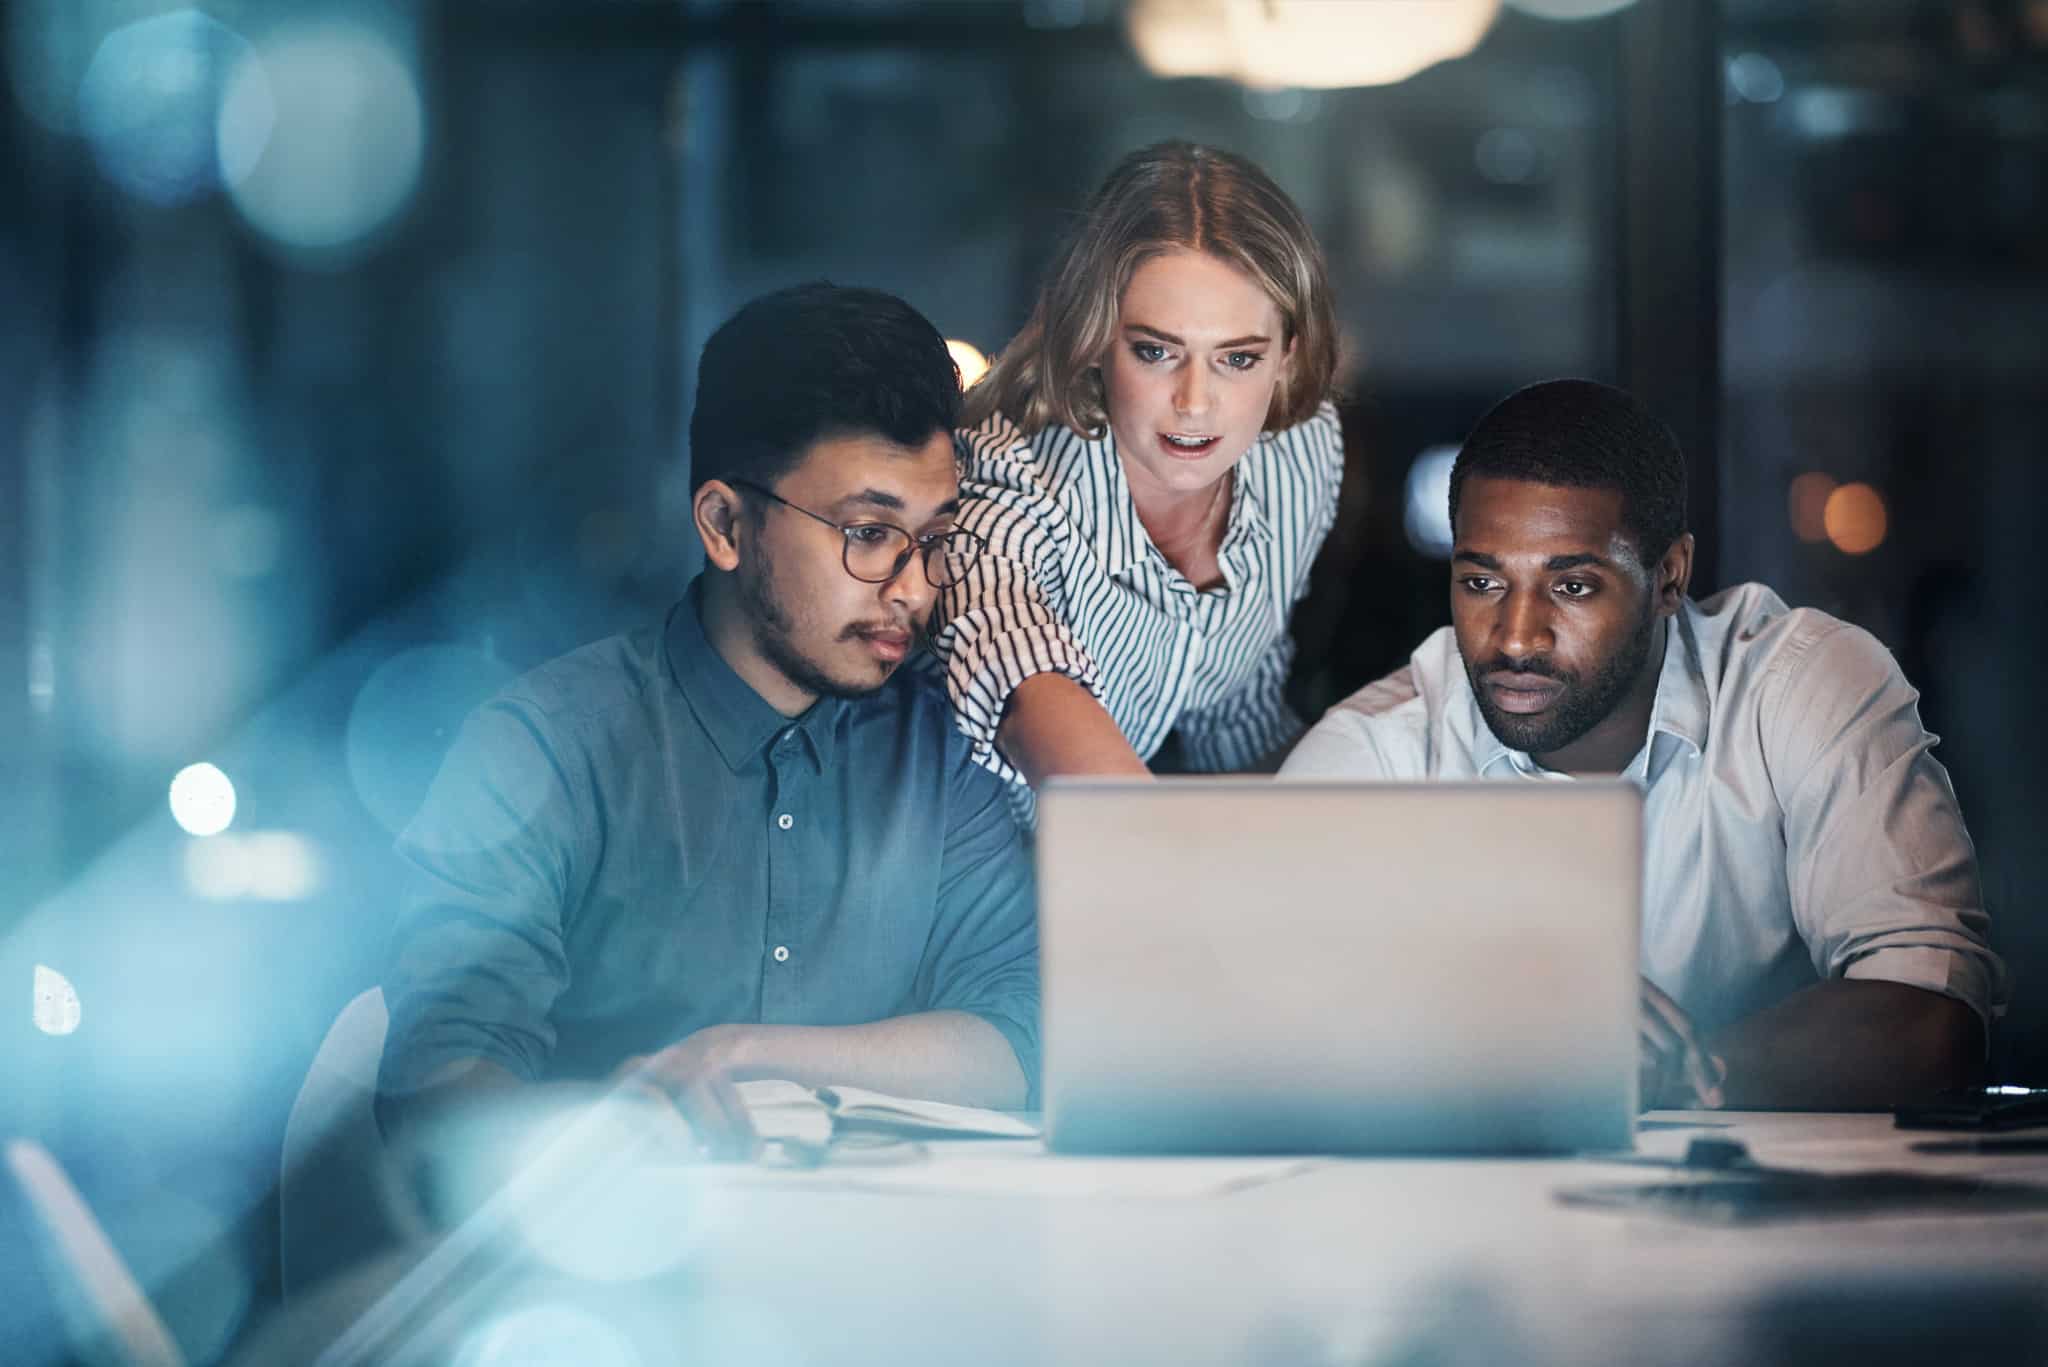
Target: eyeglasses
{"points": [[876, 552]]}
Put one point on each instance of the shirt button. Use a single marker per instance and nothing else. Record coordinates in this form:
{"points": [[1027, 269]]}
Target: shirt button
{"points": [[785, 821], [782, 954]]}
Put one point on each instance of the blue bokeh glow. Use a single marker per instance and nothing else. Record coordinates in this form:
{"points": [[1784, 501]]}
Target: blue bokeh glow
{"points": [[149, 102]]}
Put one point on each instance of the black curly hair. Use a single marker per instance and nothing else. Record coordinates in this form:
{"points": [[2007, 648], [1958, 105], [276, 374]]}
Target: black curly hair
{"points": [[811, 362], [1581, 434]]}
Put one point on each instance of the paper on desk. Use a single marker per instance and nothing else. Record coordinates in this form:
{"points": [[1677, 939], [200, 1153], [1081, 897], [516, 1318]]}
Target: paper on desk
{"points": [[787, 1110], [858, 1106]]}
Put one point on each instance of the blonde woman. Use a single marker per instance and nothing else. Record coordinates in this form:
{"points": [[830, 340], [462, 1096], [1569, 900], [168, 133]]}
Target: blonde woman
{"points": [[1153, 462]]}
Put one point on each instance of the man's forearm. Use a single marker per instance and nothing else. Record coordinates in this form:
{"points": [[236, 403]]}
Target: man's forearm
{"points": [[1850, 1044], [934, 1055], [951, 1056]]}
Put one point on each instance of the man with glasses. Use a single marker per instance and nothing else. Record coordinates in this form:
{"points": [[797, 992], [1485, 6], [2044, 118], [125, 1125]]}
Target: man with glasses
{"points": [[741, 844]]}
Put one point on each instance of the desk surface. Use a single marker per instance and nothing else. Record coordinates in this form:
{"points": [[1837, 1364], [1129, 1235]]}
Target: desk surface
{"points": [[1341, 1261]]}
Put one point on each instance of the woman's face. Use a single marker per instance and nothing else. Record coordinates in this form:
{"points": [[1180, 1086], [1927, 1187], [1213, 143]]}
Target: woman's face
{"points": [[1190, 376]]}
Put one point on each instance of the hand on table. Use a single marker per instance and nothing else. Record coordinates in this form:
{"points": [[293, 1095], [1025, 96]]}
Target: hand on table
{"points": [[696, 1076], [1676, 1068]]}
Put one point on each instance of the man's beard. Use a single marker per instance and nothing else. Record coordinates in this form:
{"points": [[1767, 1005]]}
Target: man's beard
{"points": [[774, 629], [1580, 707]]}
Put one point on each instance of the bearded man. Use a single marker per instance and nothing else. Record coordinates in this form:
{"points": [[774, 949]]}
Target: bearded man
{"points": [[1813, 932], [740, 843]]}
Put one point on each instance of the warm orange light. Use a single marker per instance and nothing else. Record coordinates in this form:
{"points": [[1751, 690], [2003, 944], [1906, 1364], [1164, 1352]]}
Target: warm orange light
{"points": [[1304, 44], [1855, 518], [973, 365], [1807, 503]]}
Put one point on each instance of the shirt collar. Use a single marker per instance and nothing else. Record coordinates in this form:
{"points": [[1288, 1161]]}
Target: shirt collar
{"points": [[1120, 538], [738, 720], [1488, 750], [1679, 710], [1248, 495], [1683, 704]]}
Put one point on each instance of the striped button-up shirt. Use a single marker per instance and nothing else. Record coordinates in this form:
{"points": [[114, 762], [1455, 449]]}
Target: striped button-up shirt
{"points": [[1071, 583], [1798, 825]]}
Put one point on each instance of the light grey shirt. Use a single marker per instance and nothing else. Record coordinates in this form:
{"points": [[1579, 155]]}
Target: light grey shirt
{"points": [[1798, 827]]}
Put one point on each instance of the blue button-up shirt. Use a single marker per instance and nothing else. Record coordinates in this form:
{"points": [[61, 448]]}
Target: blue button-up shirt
{"points": [[629, 844]]}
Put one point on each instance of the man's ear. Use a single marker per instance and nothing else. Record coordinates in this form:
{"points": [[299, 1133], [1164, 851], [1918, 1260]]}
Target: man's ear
{"points": [[1673, 575], [719, 515]]}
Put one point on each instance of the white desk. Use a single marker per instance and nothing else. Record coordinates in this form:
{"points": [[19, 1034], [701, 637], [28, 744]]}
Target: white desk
{"points": [[1349, 1261]]}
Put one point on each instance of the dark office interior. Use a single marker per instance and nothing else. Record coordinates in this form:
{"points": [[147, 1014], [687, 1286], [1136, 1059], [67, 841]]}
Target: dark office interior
{"points": [[334, 398]]}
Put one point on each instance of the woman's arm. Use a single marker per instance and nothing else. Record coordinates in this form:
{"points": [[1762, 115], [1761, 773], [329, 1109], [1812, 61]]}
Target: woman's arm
{"points": [[1055, 726], [1024, 688]]}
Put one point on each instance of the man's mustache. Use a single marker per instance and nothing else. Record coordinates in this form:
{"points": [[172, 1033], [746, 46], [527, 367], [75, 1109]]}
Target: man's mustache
{"points": [[1536, 666], [920, 631]]}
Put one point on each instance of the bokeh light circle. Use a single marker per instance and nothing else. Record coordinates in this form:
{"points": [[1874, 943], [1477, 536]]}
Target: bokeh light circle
{"points": [[1426, 512], [272, 866], [202, 800], [1856, 519], [150, 99], [1508, 156], [1296, 44], [973, 365], [57, 1009], [345, 153], [639, 1220], [637, 1227], [1756, 78]]}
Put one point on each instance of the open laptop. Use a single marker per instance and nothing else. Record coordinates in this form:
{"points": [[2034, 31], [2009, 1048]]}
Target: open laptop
{"points": [[1250, 966]]}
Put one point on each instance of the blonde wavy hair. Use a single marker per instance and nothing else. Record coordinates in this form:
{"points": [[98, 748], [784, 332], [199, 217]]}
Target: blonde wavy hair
{"points": [[1159, 198]]}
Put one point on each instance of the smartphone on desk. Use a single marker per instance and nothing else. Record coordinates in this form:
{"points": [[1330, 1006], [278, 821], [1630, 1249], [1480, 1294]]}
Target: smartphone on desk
{"points": [[1996, 1107]]}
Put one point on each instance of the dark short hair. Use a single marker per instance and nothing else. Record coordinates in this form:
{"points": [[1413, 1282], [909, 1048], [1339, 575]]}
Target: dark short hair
{"points": [[1580, 434], [811, 362]]}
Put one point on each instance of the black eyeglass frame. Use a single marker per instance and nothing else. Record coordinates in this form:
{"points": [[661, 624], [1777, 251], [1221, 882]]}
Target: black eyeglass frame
{"points": [[926, 544]]}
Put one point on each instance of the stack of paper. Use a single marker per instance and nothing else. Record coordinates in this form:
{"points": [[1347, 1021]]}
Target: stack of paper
{"points": [[795, 1113], [783, 1112], [858, 1108]]}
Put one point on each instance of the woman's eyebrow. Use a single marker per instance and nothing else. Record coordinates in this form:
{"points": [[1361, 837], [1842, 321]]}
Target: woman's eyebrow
{"points": [[1255, 339]]}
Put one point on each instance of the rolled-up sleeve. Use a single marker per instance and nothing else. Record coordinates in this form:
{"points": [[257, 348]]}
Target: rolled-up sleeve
{"points": [[1882, 873], [1004, 621], [477, 956], [983, 953]]}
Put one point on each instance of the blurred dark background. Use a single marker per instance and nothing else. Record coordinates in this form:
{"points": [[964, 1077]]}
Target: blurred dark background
{"points": [[346, 354]]}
